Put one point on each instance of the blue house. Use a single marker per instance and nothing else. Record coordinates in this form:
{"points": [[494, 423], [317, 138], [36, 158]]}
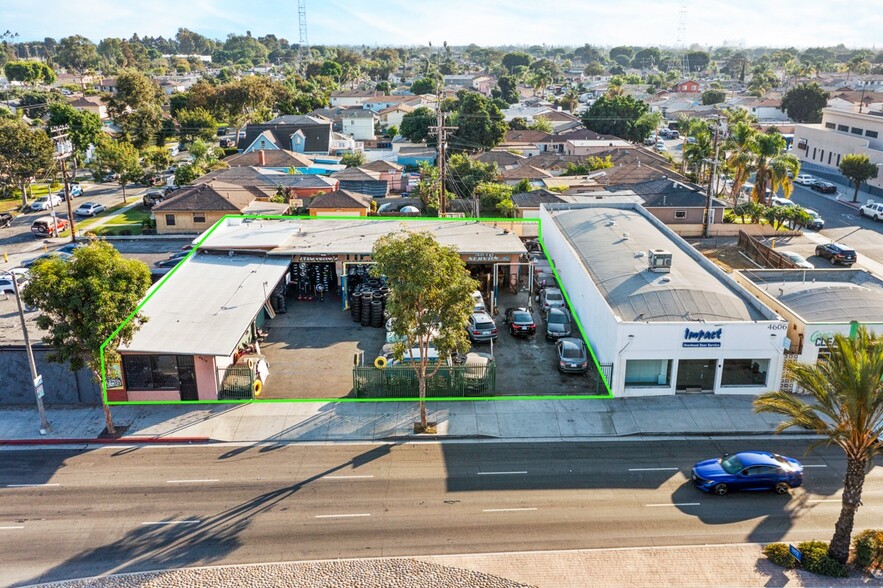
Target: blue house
{"points": [[416, 155]]}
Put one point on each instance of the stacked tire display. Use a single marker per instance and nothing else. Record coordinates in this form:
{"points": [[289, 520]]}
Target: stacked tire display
{"points": [[367, 300]]}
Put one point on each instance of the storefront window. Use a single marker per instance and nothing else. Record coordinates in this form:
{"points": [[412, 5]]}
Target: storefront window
{"points": [[151, 372], [643, 373], [745, 372]]}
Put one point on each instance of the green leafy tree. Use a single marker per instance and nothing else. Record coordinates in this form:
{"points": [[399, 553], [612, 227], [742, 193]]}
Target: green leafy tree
{"points": [[136, 107], [465, 173], [353, 159], [858, 168], [594, 68], [157, 158], [82, 303], [424, 86], [83, 127], [591, 163], [415, 125], [196, 123], [508, 89], [186, 173], [332, 69], [772, 166], [495, 196], [430, 301], [77, 53], [713, 97], [843, 402], [29, 72], [805, 102], [120, 158], [25, 153], [34, 103], [513, 60], [617, 115], [480, 123]]}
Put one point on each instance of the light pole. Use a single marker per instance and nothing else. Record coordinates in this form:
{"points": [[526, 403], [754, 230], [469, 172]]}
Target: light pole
{"points": [[36, 378]]}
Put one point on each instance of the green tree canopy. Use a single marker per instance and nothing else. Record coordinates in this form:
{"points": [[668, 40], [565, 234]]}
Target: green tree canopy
{"points": [[618, 116], [508, 89], [713, 97], [465, 173], [425, 85], [196, 123], [117, 157], [805, 102], [29, 72], [77, 53], [512, 60], [430, 300], [842, 401], [858, 168], [480, 123], [415, 125], [25, 153], [84, 128], [353, 158], [83, 302], [136, 107]]}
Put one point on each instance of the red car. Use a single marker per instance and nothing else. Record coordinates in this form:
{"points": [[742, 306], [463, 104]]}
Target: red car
{"points": [[43, 226]]}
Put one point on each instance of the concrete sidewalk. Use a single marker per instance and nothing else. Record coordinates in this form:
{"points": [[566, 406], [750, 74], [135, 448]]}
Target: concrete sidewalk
{"points": [[553, 420]]}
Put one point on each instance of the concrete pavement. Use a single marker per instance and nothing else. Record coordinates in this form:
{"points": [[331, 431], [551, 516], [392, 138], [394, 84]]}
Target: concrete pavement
{"points": [[548, 420]]}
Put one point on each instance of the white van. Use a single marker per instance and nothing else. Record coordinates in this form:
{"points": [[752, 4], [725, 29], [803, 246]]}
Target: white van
{"points": [[173, 151]]}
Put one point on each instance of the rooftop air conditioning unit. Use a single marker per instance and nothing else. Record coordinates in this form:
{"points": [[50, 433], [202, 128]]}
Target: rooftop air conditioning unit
{"points": [[659, 261]]}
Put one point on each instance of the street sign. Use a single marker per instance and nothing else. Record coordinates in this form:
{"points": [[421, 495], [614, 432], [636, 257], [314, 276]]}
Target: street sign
{"points": [[796, 553], [38, 386]]}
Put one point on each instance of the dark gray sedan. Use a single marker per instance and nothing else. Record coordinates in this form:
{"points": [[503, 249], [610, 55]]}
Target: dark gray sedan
{"points": [[573, 356], [558, 324]]}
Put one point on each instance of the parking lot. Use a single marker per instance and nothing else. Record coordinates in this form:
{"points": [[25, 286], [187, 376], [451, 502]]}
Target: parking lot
{"points": [[311, 351]]}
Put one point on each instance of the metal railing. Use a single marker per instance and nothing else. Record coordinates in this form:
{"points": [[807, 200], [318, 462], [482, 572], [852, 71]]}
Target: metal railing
{"points": [[236, 383]]}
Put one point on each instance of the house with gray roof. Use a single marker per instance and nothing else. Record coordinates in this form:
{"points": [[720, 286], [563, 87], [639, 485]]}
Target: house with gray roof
{"points": [[297, 133]]}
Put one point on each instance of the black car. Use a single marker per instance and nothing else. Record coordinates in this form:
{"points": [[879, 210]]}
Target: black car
{"points": [[520, 321], [6, 219], [558, 324], [824, 187], [837, 253]]}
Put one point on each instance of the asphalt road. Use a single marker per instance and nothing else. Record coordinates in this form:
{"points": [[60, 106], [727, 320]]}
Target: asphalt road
{"points": [[69, 513]]}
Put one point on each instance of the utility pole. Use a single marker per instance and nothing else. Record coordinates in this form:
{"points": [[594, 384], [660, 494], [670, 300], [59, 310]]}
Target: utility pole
{"points": [[35, 378], [441, 131], [63, 150], [712, 183]]}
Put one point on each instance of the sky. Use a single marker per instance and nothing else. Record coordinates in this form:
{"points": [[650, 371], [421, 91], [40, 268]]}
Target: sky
{"points": [[778, 23]]}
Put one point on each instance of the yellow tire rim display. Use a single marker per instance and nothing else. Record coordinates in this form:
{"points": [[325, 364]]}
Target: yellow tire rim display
{"points": [[380, 362], [257, 387]]}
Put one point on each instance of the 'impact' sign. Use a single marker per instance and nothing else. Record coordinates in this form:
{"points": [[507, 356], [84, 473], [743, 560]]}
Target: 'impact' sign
{"points": [[702, 338]]}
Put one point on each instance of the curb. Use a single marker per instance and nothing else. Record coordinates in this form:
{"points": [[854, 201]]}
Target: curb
{"points": [[103, 441]]}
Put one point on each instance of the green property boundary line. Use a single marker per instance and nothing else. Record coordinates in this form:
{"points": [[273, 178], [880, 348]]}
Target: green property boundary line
{"points": [[155, 288]]}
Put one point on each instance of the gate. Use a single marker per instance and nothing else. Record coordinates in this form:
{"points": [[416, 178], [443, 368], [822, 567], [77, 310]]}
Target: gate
{"points": [[400, 381], [236, 383]]}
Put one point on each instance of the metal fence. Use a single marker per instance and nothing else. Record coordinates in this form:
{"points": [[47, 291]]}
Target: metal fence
{"points": [[400, 381], [236, 383], [596, 383]]}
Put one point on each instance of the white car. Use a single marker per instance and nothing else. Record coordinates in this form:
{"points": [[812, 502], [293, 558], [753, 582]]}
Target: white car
{"points": [[873, 210], [804, 179], [776, 201], [797, 260], [46, 202], [817, 223], [89, 209], [6, 285]]}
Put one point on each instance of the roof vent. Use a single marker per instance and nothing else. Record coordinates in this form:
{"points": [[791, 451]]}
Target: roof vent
{"points": [[659, 261], [640, 254], [665, 279], [625, 236], [611, 223]]}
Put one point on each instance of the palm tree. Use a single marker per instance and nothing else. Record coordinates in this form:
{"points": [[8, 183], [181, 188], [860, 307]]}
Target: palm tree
{"points": [[698, 152], [740, 161], [845, 405], [689, 126], [772, 165]]}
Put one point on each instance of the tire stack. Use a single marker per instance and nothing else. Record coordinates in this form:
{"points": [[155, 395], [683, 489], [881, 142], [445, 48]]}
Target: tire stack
{"points": [[356, 306], [367, 298], [377, 311]]}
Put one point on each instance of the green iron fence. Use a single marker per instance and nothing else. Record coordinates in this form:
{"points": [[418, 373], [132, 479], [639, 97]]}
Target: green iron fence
{"points": [[400, 381], [236, 383]]}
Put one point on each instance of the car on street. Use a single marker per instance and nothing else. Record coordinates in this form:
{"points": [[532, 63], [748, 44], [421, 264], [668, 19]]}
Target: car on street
{"points": [[75, 190], [777, 201], [817, 223], [797, 259], [873, 210], [46, 202], [481, 328], [558, 324], [6, 285], [550, 298], [805, 179], [46, 226], [89, 209], [823, 187], [573, 356], [6, 219], [60, 255], [748, 470], [837, 253], [520, 321]]}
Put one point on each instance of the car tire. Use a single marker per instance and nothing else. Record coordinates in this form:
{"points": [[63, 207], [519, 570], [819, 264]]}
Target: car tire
{"points": [[720, 489], [877, 217], [782, 488]]}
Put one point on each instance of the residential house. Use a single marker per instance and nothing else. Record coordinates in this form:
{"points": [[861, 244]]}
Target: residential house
{"points": [[296, 185], [381, 103], [389, 171], [686, 87], [351, 97], [340, 203], [277, 159], [364, 181], [524, 142], [503, 159], [589, 147], [675, 203], [766, 110], [393, 115], [92, 104], [458, 81], [196, 208], [575, 184], [359, 124], [108, 85], [484, 84], [513, 176], [866, 101], [298, 133], [341, 143]]}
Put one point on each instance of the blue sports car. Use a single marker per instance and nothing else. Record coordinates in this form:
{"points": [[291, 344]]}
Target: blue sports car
{"points": [[748, 470]]}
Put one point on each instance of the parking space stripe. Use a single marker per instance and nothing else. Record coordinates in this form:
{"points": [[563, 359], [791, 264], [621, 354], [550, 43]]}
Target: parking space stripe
{"points": [[343, 516], [653, 469], [508, 509], [31, 485], [676, 504], [502, 473]]}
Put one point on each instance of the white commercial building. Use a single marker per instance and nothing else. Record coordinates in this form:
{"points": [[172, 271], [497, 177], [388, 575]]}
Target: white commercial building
{"points": [[681, 326]]}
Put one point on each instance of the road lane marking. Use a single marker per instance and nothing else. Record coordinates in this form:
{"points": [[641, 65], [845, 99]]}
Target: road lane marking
{"points": [[501, 473], [508, 509], [346, 477], [30, 485], [189, 481], [676, 504], [191, 522], [653, 469], [816, 465], [343, 516], [9, 528]]}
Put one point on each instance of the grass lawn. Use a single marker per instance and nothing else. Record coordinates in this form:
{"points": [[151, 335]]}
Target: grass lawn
{"points": [[128, 220]]}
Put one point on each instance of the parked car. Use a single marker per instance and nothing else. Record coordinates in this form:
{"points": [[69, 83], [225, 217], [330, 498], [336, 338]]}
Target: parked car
{"points": [[797, 259], [46, 226], [837, 253], [46, 202], [550, 298], [805, 179], [672, 134], [6, 219], [75, 190], [660, 147], [573, 356], [111, 177], [817, 223], [777, 201], [6, 285], [520, 321], [481, 328], [748, 470], [873, 210], [558, 324], [89, 209], [478, 302], [61, 255], [823, 187], [153, 198]]}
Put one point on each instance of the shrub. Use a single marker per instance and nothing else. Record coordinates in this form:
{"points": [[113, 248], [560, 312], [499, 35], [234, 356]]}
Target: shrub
{"points": [[729, 217], [125, 232], [868, 547], [779, 554], [816, 560]]}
